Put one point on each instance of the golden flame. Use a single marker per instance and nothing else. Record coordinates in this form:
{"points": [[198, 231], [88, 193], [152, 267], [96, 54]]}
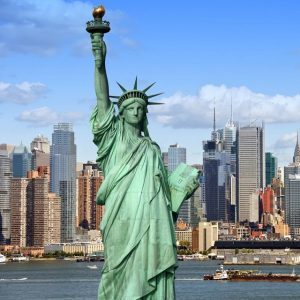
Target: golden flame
{"points": [[99, 11]]}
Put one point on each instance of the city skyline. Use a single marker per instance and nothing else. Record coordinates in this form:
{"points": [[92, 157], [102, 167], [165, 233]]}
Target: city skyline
{"points": [[209, 55]]}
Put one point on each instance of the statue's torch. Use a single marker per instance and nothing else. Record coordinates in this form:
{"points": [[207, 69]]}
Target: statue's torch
{"points": [[97, 28]]}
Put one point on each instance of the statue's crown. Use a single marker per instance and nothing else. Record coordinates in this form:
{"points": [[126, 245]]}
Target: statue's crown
{"points": [[135, 93]]}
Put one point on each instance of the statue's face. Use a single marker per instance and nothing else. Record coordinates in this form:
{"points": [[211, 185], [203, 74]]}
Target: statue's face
{"points": [[134, 113]]}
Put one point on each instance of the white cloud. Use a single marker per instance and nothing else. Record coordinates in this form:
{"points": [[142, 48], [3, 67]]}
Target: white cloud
{"points": [[287, 140], [22, 93], [44, 116], [42, 27], [196, 111]]}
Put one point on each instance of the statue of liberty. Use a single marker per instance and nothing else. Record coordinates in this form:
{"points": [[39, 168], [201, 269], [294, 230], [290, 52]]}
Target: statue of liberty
{"points": [[137, 227]]}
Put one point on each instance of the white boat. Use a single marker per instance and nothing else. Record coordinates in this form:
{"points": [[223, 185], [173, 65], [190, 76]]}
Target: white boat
{"points": [[220, 274], [3, 258], [19, 257], [92, 267]]}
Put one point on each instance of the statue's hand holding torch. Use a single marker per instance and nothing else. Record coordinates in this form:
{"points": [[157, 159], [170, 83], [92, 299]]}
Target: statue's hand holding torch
{"points": [[99, 49], [97, 28]]}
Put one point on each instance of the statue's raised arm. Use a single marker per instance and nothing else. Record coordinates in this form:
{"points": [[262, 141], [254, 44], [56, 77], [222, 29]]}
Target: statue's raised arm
{"points": [[97, 28], [101, 82]]}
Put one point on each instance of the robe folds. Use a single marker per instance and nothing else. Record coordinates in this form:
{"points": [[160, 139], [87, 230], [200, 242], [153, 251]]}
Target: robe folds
{"points": [[137, 227]]}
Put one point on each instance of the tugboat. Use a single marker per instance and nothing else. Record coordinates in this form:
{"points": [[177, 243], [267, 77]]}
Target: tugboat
{"points": [[220, 274]]}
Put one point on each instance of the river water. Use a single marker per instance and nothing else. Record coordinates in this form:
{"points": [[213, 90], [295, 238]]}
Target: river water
{"points": [[37, 280]]}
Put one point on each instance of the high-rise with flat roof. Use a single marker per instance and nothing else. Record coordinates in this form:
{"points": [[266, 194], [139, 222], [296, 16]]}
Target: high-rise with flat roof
{"points": [[46, 213], [5, 209], [177, 155], [18, 198], [271, 167], [35, 212], [293, 195], [89, 182], [250, 167], [63, 176]]}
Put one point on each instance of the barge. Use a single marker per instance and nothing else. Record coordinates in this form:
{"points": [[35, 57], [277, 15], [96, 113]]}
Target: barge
{"points": [[250, 275]]}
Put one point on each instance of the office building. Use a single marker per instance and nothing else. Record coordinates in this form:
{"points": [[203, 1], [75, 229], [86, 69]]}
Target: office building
{"points": [[44, 209], [89, 214], [219, 164], [291, 181], [271, 168], [40, 149], [41, 144], [63, 177], [230, 142], [5, 209], [208, 234], [177, 155], [18, 199], [21, 161], [293, 212], [250, 167], [35, 212]]}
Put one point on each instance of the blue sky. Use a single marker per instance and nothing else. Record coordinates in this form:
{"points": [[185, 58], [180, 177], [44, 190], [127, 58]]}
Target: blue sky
{"points": [[198, 53]]}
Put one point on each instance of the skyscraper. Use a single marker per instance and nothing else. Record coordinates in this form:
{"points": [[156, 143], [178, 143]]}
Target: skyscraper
{"points": [[35, 212], [63, 176], [271, 167], [219, 165], [177, 155], [293, 211], [40, 149], [18, 196], [44, 209], [40, 143], [230, 143], [291, 185], [5, 210], [250, 167], [21, 160], [89, 214]]}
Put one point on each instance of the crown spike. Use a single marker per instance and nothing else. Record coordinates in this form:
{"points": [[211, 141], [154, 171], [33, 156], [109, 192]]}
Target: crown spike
{"points": [[147, 88], [151, 96], [122, 88], [135, 84], [155, 103], [115, 97]]}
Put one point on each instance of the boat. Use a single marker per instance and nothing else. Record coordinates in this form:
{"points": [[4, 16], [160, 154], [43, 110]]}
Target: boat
{"points": [[3, 258], [19, 258], [92, 267], [250, 275]]}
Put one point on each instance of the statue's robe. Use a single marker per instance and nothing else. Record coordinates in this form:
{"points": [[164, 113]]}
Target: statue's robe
{"points": [[137, 227]]}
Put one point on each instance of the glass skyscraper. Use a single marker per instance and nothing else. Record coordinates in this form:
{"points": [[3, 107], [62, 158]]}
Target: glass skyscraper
{"points": [[271, 167], [176, 155], [63, 176], [21, 159], [5, 177]]}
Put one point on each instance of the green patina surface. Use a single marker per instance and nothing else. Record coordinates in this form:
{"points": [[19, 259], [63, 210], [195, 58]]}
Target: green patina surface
{"points": [[141, 200]]}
